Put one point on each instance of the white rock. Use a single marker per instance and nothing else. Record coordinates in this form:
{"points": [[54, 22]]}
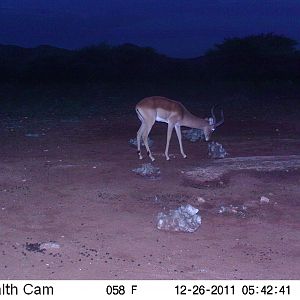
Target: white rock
{"points": [[264, 199], [200, 200], [49, 245]]}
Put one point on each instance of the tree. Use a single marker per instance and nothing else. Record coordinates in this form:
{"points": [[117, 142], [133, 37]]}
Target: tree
{"points": [[264, 56]]}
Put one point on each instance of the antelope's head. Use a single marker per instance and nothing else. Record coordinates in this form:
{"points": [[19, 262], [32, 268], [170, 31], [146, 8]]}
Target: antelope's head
{"points": [[212, 124]]}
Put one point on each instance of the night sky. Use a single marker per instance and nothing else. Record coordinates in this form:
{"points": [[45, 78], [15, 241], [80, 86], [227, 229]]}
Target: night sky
{"points": [[185, 28]]}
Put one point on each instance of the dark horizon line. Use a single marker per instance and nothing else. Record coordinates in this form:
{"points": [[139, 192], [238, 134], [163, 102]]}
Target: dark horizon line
{"points": [[145, 47], [97, 45]]}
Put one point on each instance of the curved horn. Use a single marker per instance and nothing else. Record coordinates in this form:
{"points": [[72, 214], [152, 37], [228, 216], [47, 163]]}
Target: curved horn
{"points": [[212, 114], [214, 117], [221, 121]]}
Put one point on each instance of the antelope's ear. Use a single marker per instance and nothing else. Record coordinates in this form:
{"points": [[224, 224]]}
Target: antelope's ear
{"points": [[211, 121]]}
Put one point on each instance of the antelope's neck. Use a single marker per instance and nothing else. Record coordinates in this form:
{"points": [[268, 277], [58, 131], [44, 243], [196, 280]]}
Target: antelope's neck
{"points": [[192, 121]]}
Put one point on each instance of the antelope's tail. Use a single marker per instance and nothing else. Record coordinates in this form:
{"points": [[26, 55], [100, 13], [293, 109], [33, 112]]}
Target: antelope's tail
{"points": [[139, 115]]}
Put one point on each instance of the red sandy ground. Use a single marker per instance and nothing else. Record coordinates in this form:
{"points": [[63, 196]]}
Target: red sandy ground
{"points": [[75, 186]]}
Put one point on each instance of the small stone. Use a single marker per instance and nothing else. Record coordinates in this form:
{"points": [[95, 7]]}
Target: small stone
{"points": [[148, 171], [200, 200], [50, 245], [264, 199]]}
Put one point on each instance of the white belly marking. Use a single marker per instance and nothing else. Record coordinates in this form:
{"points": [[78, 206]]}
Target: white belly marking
{"points": [[158, 119]]}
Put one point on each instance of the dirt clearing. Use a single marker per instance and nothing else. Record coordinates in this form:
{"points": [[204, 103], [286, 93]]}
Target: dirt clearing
{"points": [[70, 186]]}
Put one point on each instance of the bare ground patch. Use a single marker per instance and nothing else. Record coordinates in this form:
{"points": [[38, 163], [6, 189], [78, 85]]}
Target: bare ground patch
{"points": [[83, 195], [219, 170]]}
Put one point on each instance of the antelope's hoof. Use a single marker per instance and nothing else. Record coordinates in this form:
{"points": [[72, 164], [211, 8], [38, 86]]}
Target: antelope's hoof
{"points": [[152, 158], [140, 157], [184, 156]]}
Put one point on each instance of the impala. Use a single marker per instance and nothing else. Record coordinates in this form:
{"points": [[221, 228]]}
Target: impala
{"points": [[162, 109]]}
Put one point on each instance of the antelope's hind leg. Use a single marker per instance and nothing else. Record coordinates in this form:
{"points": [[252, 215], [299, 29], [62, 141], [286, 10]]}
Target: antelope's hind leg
{"points": [[178, 131], [138, 139], [145, 139], [169, 134]]}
